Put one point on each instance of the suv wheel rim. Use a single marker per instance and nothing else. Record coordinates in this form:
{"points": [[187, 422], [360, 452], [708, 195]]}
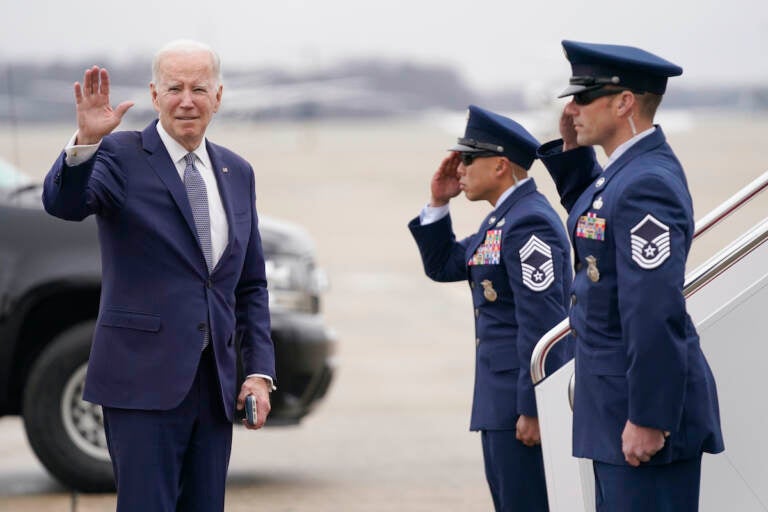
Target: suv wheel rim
{"points": [[83, 421]]}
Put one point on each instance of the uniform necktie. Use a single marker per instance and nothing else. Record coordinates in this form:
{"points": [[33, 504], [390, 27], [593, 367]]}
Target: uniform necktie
{"points": [[198, 200]]}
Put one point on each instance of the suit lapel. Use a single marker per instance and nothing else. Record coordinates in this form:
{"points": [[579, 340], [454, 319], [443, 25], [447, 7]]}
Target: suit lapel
{"points": [[222, 173], [161, 162]]}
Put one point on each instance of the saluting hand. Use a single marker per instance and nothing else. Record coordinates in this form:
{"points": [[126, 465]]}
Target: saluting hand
{"points": [[95, 116], [445, 182], [567, 131], [639, 444]]}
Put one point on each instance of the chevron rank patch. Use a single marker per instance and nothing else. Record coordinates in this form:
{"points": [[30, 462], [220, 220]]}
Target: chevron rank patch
{"points": [[489, 252], [650, 242], [537, 265]]}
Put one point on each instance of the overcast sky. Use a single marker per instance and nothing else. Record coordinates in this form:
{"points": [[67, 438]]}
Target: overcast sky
{"points": [[493, 43]]}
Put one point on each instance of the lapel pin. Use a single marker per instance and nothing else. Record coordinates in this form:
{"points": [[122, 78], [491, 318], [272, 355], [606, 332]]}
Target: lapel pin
{"points": [[225, 170]]}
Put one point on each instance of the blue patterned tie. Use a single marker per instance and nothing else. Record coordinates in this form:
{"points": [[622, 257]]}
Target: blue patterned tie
{"points": [[198, 200]]}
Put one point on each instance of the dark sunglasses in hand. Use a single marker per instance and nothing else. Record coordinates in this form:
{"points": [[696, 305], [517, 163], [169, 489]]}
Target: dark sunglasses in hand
{"points": [[586, 97], [468, 158]]}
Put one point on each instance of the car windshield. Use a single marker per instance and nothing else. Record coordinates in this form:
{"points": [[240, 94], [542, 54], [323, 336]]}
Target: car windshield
{"points": [[11, 177]]}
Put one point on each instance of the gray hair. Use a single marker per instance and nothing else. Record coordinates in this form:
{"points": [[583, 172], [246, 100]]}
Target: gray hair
{"points": [[186, 46]]}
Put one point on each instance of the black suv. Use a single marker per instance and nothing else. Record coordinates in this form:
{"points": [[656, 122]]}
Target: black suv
{"points": [[49, 299]]}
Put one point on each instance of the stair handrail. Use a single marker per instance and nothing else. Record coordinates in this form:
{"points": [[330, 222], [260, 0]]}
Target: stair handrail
{"points": [[726, 258], [698, 278], [730, 205]]}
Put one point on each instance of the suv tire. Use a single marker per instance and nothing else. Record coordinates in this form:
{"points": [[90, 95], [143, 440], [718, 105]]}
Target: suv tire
{"points": [[66, 432]]}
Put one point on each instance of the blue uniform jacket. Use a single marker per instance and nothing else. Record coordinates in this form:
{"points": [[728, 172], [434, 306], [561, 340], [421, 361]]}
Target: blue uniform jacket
{"points": [[157, 295], [519, 274], [637, 352]]}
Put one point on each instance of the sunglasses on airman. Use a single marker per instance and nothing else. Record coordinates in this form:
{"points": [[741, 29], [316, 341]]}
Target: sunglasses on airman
{"points": [[468, 158], [586, 97]]}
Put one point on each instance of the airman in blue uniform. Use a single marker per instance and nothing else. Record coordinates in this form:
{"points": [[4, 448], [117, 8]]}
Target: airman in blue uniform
{"points": [[645, 405], [518, 269]]}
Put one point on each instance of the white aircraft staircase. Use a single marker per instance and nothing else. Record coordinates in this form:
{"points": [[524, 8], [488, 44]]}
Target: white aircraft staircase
{"points": [[726, 298]]}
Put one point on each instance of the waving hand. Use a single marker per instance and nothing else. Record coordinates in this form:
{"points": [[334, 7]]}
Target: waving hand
{"points": [[95, 116]]}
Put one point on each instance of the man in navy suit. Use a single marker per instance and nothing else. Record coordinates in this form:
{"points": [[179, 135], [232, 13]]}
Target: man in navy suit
{"points": [[519, 275], [645, 404], [183, 282]]}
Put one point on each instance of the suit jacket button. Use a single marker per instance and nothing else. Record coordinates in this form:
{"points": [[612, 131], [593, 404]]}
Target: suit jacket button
{"points": [[201, 327], [209, 283], [477, 341], [573, 332], [573, 299]]}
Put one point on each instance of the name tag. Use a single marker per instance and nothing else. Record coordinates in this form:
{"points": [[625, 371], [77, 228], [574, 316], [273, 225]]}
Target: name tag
{"points": [[591, 226], [489, 252]]}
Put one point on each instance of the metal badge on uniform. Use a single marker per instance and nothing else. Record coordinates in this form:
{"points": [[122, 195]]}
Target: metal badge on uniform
{"points": [[500, 223], [650, 242], [599, 182], [597, 203], [491, 220], [537, 265], [591, 226], [488, 292], [489, 252], [592, 272]]}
